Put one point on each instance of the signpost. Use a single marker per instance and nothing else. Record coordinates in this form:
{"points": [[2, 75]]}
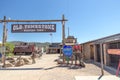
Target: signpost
{"points": [[67, 51]]}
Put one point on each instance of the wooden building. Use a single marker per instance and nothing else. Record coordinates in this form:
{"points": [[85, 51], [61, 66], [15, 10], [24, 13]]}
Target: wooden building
{"points": [[70, 40], [108, 46], [53, 48], [57, 47]]}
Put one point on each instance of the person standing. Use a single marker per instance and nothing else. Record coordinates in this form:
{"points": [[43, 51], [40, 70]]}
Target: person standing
{"points": [[77, 53]]}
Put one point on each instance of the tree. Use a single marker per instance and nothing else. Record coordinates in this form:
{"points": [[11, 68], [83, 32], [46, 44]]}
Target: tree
{"points": [[9, 48]]}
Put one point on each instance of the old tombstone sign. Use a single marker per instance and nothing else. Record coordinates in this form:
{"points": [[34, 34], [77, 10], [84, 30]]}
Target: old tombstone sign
{"points": [[16, 28]]}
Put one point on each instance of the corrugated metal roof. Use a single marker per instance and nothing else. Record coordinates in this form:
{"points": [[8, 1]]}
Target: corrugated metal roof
{"points": [[102, 38]]}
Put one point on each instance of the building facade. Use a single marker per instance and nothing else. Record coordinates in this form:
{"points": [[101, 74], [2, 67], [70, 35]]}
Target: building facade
{"points": [[53, 48], [108, 47], [70, 40], [57, 47]]}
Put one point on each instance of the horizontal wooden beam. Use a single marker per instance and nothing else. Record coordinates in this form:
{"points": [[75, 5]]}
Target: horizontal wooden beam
{"points": [[33, 20]]}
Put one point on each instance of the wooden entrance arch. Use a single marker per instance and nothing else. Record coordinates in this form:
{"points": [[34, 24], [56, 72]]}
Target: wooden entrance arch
{"points": [[4, 21]]}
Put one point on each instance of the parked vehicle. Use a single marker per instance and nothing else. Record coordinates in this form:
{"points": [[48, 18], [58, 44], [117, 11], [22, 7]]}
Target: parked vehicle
{"points": [[23, 49]]}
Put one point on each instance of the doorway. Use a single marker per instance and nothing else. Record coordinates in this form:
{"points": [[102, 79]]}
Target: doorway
{"points": [[98, 52], [114, 60], [91, 52]]}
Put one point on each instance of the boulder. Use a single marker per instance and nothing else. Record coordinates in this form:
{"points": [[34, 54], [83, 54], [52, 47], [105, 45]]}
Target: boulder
{"points": [[82, 64], [11, 60], [19, 63], [26, 60], [59, 61], [30, 58], [8, 64]]}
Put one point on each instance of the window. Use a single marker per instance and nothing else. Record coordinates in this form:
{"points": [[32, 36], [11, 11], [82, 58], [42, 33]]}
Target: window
{"points": [[114, 45]]}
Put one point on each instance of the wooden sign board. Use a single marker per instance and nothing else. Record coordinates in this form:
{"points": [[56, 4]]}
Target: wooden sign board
{"points": [[114, 51], [24, 28]]}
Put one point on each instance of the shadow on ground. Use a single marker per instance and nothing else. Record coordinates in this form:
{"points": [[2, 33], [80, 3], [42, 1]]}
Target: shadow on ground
{"points": [[68, 66], [106, 68], [60, 65], [21, 68]]}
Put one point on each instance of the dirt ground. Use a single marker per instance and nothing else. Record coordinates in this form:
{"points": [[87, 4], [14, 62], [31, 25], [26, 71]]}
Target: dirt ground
{"points": [[47, 69]]}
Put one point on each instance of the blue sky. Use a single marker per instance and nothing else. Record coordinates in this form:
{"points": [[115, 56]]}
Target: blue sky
{"points": [[87, 19]]}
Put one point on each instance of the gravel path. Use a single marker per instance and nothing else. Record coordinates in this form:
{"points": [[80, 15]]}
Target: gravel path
{"points": [[47, 69]]}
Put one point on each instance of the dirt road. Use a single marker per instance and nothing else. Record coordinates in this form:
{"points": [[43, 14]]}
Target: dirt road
{"points": [[47, 69]]}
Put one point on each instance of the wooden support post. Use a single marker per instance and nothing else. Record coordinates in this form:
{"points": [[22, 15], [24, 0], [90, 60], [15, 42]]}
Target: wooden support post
{"points": [[95, 53], [101, 50], [4, 40], [105, 54], [63, 35], [60, 52], [63, 30]]}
